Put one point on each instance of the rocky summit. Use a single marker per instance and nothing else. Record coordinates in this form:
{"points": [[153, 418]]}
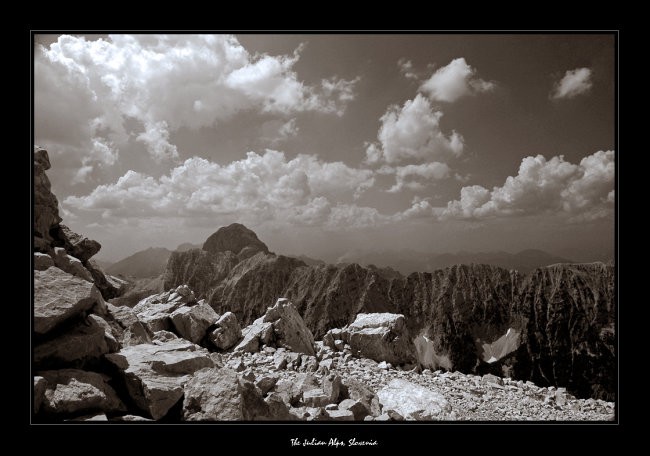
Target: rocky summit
{"points": [[242, 334]]}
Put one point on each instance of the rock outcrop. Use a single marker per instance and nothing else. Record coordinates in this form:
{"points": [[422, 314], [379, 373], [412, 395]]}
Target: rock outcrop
{"points": [[70, 251]]}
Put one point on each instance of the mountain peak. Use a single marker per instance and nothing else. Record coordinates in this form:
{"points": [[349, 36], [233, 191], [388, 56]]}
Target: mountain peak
{"points": [[235, 237]]}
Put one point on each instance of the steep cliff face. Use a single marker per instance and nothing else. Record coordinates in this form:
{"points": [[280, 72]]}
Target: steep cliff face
{"points": [[567, 314], [554, 325]]}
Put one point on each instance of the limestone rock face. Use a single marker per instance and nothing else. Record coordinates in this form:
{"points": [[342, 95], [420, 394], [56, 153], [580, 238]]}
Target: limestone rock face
{"points": [[71, 391], [413, 402], [59, 296], [155, 374], [382, 337]]}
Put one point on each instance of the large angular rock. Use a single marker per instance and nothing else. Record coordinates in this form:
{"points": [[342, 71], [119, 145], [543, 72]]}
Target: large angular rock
{"points": [[84, 343], [71, 391], [413, 402], [77, 245], [358, 391], [59, 296], [254, 336], [290, 329], [126, 327], [381, 337], [155, 374], [155, 310], [70, 264], [227, 331], [219, 395], [192, 322]]}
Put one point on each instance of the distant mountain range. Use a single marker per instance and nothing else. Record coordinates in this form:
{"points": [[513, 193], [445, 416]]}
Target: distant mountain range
{"points": [[146, 263], [407, 261]]}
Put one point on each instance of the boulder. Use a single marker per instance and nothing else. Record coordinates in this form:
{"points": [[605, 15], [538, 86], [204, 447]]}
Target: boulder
{"points": [[413, 402], [155, 310], [127, 329], [358, 391], [42, 261], [111, 341], [358, 410], [227, 332], [84, 343], [58, 296], [163, 336], [315, 398], [219, 395], [192, 322], [266, 382], [290, 329], [155, 374], [254, 336], [381, 337], [72, 391], [340, 415]]}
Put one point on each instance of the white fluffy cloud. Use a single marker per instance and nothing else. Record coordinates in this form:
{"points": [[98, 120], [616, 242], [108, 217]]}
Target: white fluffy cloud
{"points": [[574, 82], [164, 83], [454, 81], [412, 132], [405, 176], [256, 189], [583, 191]]}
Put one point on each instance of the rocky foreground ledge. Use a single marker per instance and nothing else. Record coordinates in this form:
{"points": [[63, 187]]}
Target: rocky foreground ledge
{"points": [[172, 358]]}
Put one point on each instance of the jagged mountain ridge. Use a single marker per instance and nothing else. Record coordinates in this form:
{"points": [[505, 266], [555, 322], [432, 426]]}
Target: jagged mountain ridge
{"points": [[408, 261], [565, 313]]}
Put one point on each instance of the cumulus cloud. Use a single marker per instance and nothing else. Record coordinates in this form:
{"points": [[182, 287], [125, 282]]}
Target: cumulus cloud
{"points": [[454, 81], [165, 83], [405, 176], [583, 191], [413, 132], [255, 189], [574, 82]]}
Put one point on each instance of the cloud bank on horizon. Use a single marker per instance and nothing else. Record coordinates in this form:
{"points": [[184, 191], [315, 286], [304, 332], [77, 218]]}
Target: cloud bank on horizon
{"points": [[125, 99]]}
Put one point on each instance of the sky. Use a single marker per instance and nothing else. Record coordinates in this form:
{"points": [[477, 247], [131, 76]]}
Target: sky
{"points": [[326, 143]]}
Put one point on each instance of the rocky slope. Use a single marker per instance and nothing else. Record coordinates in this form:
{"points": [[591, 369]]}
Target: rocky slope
{"points": [[562, 315]]}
